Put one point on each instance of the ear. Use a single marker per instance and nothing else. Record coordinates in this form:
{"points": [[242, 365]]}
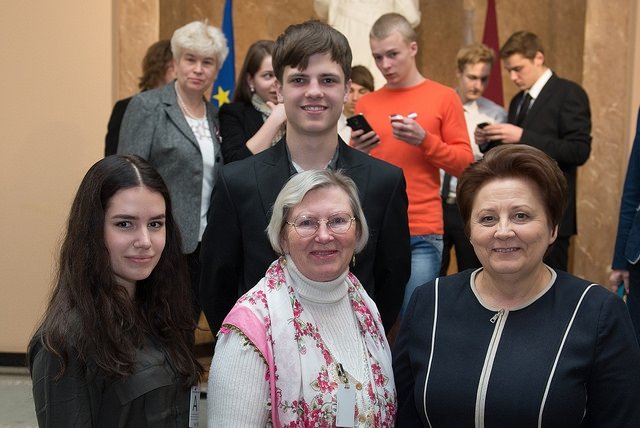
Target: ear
{"points": [[538, 59], [284, 244], [347, 89], [413, 47], [170, 71], [554, 235], [249, 79], [279, 92]]}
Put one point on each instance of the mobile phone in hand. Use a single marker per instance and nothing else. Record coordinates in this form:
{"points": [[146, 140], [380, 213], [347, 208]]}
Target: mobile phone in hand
{"points": [[622, 293], [483, 124], [399, 117], [359, 122]]}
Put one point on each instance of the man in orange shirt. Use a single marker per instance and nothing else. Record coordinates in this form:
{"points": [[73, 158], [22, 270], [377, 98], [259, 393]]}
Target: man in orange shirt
{"points": [[418, 125]]}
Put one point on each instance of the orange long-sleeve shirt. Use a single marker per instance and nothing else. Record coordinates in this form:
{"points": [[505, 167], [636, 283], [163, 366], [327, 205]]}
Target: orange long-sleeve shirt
{"points": [[446, 146]]}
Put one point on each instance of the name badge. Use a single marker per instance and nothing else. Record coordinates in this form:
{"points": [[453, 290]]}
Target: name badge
{"points": [[346, 405], [194, 407]]}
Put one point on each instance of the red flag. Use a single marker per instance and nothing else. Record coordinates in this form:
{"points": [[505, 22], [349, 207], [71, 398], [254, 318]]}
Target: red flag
{"points": [[490, 38]]}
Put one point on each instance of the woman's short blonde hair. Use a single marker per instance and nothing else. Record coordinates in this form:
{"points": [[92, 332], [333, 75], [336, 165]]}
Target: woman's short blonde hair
{"points": [[202, 39], [296, 189]]}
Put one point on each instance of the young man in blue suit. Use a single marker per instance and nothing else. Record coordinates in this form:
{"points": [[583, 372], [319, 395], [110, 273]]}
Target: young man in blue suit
{"points": [[549, 113], [626, 269], [312, 63]]}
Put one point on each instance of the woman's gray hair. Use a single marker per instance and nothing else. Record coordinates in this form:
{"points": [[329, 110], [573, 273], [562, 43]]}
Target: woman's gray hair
{"points": [[296, 189], [202, 39]]}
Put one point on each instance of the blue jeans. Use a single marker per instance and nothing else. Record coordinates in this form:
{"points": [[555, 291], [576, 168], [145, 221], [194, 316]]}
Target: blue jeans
{"points": [[426, 257]]}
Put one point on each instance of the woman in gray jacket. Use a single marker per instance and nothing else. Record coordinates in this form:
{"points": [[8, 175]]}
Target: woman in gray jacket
{"points": [[176, 130]]}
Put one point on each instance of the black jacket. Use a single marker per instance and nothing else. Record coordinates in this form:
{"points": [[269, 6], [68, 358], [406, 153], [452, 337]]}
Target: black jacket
{"points": [[153, 396], [569, 357], [236, 253], [238, 123]]}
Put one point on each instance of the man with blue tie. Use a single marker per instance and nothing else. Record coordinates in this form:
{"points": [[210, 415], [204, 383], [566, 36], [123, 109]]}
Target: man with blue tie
{"points": [[549, 113]]}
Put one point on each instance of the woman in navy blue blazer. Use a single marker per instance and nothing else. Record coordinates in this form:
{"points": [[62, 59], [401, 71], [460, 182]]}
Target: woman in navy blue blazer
{"points": [[515, 343], [626, 269]]}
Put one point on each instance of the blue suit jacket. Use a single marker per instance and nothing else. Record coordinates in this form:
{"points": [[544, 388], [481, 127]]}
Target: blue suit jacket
{"points": [[236, 252], [627, 249]]}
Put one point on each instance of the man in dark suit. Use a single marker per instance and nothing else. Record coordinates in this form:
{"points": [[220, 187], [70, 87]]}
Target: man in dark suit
{"points": [[312, 62], [549, 113]]}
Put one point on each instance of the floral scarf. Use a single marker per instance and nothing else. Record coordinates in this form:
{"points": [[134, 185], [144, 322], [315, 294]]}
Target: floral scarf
{"points": [[301, 371]]}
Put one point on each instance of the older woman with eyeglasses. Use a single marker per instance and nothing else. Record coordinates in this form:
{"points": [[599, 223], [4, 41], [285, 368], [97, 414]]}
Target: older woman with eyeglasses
{"points": [[306, 346]]}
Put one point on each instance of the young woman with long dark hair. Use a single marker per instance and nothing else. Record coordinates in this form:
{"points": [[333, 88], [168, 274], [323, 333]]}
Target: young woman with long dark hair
{"points": [[115, 346]]}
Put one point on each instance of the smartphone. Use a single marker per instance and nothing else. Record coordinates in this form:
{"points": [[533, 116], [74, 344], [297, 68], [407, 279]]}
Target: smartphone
{"points": [[483, 124], [359, 122], [622, 293], [399, 117]]}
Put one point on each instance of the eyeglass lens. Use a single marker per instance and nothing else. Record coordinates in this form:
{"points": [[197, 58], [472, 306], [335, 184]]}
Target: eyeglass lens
{"points": [[337, 223]]}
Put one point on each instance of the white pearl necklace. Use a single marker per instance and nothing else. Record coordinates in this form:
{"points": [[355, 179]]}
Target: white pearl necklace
{"points": [[185, 109]]}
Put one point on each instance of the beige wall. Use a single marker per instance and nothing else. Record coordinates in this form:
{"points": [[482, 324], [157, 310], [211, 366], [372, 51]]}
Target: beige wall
{"points": [[56, 97], [609, 77], [65, 63]]}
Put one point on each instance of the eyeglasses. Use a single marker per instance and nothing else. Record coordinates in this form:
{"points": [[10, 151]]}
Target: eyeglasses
{"points": [[307, 226]]}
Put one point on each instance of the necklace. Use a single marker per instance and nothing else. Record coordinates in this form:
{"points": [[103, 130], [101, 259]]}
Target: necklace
{"points": [[184, 107]]}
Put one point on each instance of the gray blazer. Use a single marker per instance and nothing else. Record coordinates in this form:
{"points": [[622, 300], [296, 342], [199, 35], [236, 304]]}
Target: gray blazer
{"points": [[155, 129]]}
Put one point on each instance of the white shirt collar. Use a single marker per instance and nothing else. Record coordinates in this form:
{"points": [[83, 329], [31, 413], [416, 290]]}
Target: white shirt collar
{"points": [[536, 88]]}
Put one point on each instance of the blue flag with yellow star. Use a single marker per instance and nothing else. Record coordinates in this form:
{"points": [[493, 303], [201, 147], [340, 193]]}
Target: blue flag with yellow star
{"points": [[225, 83]]}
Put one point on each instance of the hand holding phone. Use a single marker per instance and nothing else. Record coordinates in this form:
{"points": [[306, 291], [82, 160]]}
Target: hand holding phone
{"points": [[399, 117], [358, 121], [362, 143], [485, 144]]}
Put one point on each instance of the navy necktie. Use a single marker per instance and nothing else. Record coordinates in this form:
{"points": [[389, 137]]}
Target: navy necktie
{"points": [[524, 108]]}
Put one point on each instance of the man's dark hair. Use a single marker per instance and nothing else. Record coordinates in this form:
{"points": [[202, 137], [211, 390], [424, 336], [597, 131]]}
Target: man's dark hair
{"points": [[299, 42]]}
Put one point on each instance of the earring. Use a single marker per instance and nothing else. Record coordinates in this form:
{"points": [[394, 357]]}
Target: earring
{"points": [[252, 89], [353, 260]]}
